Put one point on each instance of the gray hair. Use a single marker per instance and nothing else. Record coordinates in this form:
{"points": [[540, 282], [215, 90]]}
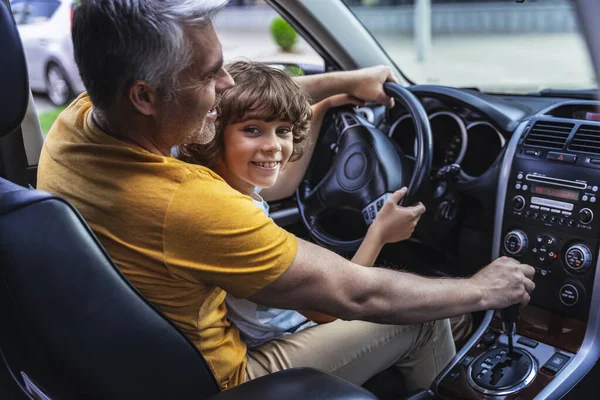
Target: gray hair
{"points": [[117, 42]]}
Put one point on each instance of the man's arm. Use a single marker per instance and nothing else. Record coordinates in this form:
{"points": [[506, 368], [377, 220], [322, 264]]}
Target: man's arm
{"points": [[365, 84], [322, 281]]}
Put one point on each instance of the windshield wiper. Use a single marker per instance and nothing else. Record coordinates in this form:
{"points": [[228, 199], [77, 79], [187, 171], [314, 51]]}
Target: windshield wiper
{"points": [[586, 94]]}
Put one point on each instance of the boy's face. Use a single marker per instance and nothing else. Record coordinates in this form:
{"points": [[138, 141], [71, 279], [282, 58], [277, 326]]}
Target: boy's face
{"points": [[254, 152]]}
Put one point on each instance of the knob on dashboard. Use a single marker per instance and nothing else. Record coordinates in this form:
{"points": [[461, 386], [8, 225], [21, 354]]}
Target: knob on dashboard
{"points": [[586, 216], [518, 203], [515, 242], [578, 258]]}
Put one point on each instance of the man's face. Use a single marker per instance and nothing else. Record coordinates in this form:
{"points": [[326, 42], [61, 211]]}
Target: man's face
{"points": [[190, 117]]}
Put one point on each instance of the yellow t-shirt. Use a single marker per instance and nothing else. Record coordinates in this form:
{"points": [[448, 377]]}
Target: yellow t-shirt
{"points": [[178, 231]]}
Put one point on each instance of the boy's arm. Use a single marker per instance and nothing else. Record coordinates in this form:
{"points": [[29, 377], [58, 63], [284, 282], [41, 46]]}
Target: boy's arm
{"points": [[290, 177]]}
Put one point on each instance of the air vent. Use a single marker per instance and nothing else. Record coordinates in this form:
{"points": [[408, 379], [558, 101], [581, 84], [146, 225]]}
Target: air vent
{"points": [[586, 139], [549, 134]]}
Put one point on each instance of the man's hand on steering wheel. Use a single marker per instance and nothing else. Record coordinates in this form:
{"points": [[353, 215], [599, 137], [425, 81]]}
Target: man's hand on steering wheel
{"points": [[367, 84]]}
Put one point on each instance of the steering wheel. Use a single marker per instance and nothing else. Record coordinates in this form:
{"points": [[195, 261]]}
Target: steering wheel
{"points": [[366, 169]]}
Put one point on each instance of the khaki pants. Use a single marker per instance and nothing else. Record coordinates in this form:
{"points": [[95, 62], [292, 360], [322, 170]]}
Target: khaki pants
{"points": [[357, 350]]}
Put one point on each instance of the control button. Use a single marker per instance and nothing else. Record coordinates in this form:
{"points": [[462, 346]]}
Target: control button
{"points": [[569, 295], [518, 203], [525, 187], [488, 338], [562, 220], [571, 222], [562, 157], [594, 188], [467, 360], [534, 207], [594, 161], [515, 242], [586, 216], [553, 218], [567, 213], [527, 342], [578, 258], [537, 153], [527, 214], [536, 215], [555, 211], [593, 199], [520, 176], [544, 209], [584, 198], [518, 186], [452, 376], [556, 362], [544, 217]]}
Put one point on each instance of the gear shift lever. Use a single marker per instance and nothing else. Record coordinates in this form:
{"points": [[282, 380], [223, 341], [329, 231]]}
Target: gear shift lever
{"points": [[509, 324]]}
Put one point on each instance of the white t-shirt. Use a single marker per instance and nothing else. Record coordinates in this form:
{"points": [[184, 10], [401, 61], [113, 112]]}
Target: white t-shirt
{"points": [[259, 324]]}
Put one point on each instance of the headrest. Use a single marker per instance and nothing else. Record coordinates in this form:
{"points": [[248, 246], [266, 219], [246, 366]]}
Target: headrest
{"points": [[14, 82]]}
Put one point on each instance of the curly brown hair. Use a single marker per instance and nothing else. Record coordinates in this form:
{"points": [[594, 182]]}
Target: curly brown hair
{"points": [[260, 92]]}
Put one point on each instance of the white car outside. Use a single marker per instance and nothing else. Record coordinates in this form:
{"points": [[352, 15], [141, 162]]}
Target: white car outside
{"points": [[45, 28]]}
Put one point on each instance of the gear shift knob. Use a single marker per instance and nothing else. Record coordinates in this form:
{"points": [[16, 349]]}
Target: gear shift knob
{"points": [[509, 323]]}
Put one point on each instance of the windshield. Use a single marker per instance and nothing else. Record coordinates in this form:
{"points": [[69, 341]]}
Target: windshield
{"points": [[492, 45]]}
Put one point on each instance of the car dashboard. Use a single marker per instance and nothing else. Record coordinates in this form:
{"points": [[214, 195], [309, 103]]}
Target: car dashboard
{"points": [[528, 189]]}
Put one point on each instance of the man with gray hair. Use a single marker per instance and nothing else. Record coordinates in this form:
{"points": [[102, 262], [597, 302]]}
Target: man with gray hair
{"points": [[154, 73]]}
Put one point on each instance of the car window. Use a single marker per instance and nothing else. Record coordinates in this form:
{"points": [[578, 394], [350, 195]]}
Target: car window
{"points": [[18, 8], [35, 11], [504, 46], [245, 30]]}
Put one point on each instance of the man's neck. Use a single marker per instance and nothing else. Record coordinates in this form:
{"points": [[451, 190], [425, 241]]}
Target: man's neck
{"points": [[127, 134]]}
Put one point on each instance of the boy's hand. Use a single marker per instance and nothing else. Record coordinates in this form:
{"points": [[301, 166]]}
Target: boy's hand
{"points": [[395, 223]]}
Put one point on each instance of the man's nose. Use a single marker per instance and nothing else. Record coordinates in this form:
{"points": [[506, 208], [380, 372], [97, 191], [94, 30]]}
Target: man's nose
{"points": [[225, 82]]}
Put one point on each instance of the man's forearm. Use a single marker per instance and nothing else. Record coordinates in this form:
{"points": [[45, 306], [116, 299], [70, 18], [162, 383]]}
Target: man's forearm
{"points": [[328, 84], [322, 281], [403, 298]]}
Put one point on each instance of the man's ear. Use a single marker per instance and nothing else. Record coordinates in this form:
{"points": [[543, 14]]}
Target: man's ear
{"points": [[143, 98]]}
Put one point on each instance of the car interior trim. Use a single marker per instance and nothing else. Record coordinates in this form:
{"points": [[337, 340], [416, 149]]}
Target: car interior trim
{"points": [[502, 182], [545, 111], [463, 132], [507, 116], [463, 174], [528, 379], [588, 353]]}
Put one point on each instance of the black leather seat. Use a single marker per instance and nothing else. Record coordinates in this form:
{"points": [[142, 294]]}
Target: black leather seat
{"points": [[71, 326]]}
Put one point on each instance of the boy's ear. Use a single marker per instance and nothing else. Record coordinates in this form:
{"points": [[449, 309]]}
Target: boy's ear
{"points": [[143, 98]]}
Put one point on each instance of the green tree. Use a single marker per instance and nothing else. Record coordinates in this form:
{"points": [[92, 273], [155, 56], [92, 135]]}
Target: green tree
{"points": [[283, 34]]}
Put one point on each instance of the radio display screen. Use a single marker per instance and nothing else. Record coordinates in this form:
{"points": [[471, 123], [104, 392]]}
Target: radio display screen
{"points": [[556, 193]]}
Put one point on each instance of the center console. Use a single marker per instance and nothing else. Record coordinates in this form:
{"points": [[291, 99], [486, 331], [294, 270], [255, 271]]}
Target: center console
{"points": [[547, 216]]}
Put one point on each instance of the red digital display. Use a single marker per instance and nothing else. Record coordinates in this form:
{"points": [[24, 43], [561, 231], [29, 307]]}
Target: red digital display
{"points": [[556, 193]]}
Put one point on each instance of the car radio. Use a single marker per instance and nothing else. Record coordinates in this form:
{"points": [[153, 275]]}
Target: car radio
{"points": [[551, 221]]}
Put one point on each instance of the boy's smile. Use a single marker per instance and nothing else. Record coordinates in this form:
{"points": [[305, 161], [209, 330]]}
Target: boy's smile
{"points": [[255, 151]]}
